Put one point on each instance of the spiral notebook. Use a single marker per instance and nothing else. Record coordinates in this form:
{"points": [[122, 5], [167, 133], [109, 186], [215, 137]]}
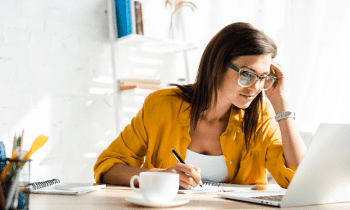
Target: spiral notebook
{"points": [[54, 186], [209, 186]]}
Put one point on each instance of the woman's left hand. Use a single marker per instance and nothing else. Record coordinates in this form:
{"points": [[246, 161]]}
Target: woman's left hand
{"points": [[277, 91]]}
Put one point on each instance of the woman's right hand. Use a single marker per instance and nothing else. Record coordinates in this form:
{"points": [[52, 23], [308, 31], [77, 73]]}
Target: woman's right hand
{"points": [[189, 175]]}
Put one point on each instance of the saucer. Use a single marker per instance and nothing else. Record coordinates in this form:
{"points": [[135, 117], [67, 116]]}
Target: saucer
{"points": [[139, 200]]}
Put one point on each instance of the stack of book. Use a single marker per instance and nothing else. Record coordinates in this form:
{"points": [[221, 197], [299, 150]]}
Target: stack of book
{"points": [[129, 17], [128, 83]]}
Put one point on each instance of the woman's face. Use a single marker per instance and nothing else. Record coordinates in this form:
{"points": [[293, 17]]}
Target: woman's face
{"points": [[233, 92]]}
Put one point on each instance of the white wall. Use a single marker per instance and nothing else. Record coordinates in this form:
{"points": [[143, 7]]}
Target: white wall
{"points": [[52, 56]]}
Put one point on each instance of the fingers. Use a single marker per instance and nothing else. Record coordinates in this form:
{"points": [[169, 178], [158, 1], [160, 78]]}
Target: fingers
{"points": [[275, 62], [193, 172], [189, 175], [276, 68], [184, 185], [279, 84], [186, 181]]}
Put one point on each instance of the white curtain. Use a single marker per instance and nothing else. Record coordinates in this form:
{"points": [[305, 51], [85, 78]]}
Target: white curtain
{"points": [[320, 71]]}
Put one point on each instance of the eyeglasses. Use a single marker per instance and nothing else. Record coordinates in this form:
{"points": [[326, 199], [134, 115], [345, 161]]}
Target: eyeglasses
{"points": [[247, 78]]}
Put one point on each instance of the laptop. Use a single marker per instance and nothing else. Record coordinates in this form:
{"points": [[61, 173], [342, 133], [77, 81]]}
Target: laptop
{"points": [[322, 177]]}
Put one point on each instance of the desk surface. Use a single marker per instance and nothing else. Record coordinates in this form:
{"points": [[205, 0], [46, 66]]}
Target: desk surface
{"points": [[113, 197]]}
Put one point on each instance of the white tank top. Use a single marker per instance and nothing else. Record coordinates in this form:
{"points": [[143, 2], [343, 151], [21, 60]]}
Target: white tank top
{"points": [[213, 167]]}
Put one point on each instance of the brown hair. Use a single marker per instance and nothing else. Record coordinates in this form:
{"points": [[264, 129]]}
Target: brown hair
{"points": [[234, 40]]}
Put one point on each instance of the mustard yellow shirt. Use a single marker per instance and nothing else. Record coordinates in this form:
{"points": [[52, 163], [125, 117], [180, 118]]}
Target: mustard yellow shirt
{"points": [[163, 123]]}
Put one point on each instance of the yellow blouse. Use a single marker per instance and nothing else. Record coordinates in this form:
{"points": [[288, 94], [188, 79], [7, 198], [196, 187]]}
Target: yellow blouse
{"points": [[163, 123]]}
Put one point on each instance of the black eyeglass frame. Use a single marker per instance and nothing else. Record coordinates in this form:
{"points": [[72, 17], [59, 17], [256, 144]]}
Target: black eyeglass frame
{"points": [[240, 71]]}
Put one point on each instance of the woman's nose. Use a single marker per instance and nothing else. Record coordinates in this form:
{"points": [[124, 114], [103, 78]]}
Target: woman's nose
{"points": [[257, 85]]}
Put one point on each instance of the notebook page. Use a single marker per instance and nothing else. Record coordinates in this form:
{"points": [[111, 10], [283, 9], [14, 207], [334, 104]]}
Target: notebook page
{"points": [[199, 189], [80, 186], [53, 189], [221, 187]]}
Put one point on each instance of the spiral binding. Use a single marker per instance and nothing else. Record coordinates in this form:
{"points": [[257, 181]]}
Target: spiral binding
{"points": [[38, 185], [211, 183]]}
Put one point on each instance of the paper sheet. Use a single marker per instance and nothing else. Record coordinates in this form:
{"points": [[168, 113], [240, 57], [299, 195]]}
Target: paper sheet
{"points": [[224, 188]]}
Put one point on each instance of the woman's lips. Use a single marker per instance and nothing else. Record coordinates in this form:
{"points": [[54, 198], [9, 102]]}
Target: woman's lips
{"points": [[250, 97]]}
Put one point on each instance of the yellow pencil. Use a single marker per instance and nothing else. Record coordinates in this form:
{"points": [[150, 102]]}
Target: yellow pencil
{"points": [[8, 166]]}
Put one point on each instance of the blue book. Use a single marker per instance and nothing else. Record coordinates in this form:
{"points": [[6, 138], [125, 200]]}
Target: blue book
{"points": [[123, 17], [2, 156]]}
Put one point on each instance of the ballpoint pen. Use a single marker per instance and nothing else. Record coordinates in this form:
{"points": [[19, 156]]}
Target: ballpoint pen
{"points": [[182, 161]]}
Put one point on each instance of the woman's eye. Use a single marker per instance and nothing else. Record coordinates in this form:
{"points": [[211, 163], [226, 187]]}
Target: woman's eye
{"points": [[246, 74]]}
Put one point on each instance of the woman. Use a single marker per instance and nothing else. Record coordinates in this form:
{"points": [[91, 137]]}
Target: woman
{"points": [[220, 120]]}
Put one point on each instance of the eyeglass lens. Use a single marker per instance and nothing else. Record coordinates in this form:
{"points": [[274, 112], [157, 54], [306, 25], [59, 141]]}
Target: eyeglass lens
{"points": [[247, 79]]}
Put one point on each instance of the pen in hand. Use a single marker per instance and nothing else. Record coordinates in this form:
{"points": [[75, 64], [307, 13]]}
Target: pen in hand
{"points": [[182, 161]]}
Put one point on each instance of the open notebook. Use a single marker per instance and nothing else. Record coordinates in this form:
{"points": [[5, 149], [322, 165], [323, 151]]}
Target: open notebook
{"points": [[209, 187], [55, 187], [69, 189]]}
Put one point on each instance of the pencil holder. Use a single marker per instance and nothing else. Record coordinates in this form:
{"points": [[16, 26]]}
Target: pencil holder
{"points": [[17, 174]]}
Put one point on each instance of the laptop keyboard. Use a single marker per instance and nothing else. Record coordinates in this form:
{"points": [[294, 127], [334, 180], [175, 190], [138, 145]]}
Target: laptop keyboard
{"points": [[270, 198]]}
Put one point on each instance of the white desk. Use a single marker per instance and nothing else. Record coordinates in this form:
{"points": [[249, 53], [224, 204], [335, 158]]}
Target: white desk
{"points": [[113, 197]]}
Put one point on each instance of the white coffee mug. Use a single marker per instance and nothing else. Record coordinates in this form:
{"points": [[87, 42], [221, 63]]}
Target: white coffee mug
{"points": [[157, 187]]}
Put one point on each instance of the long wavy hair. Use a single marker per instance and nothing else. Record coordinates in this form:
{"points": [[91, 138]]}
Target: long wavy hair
{"points": [[233, 41]]}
